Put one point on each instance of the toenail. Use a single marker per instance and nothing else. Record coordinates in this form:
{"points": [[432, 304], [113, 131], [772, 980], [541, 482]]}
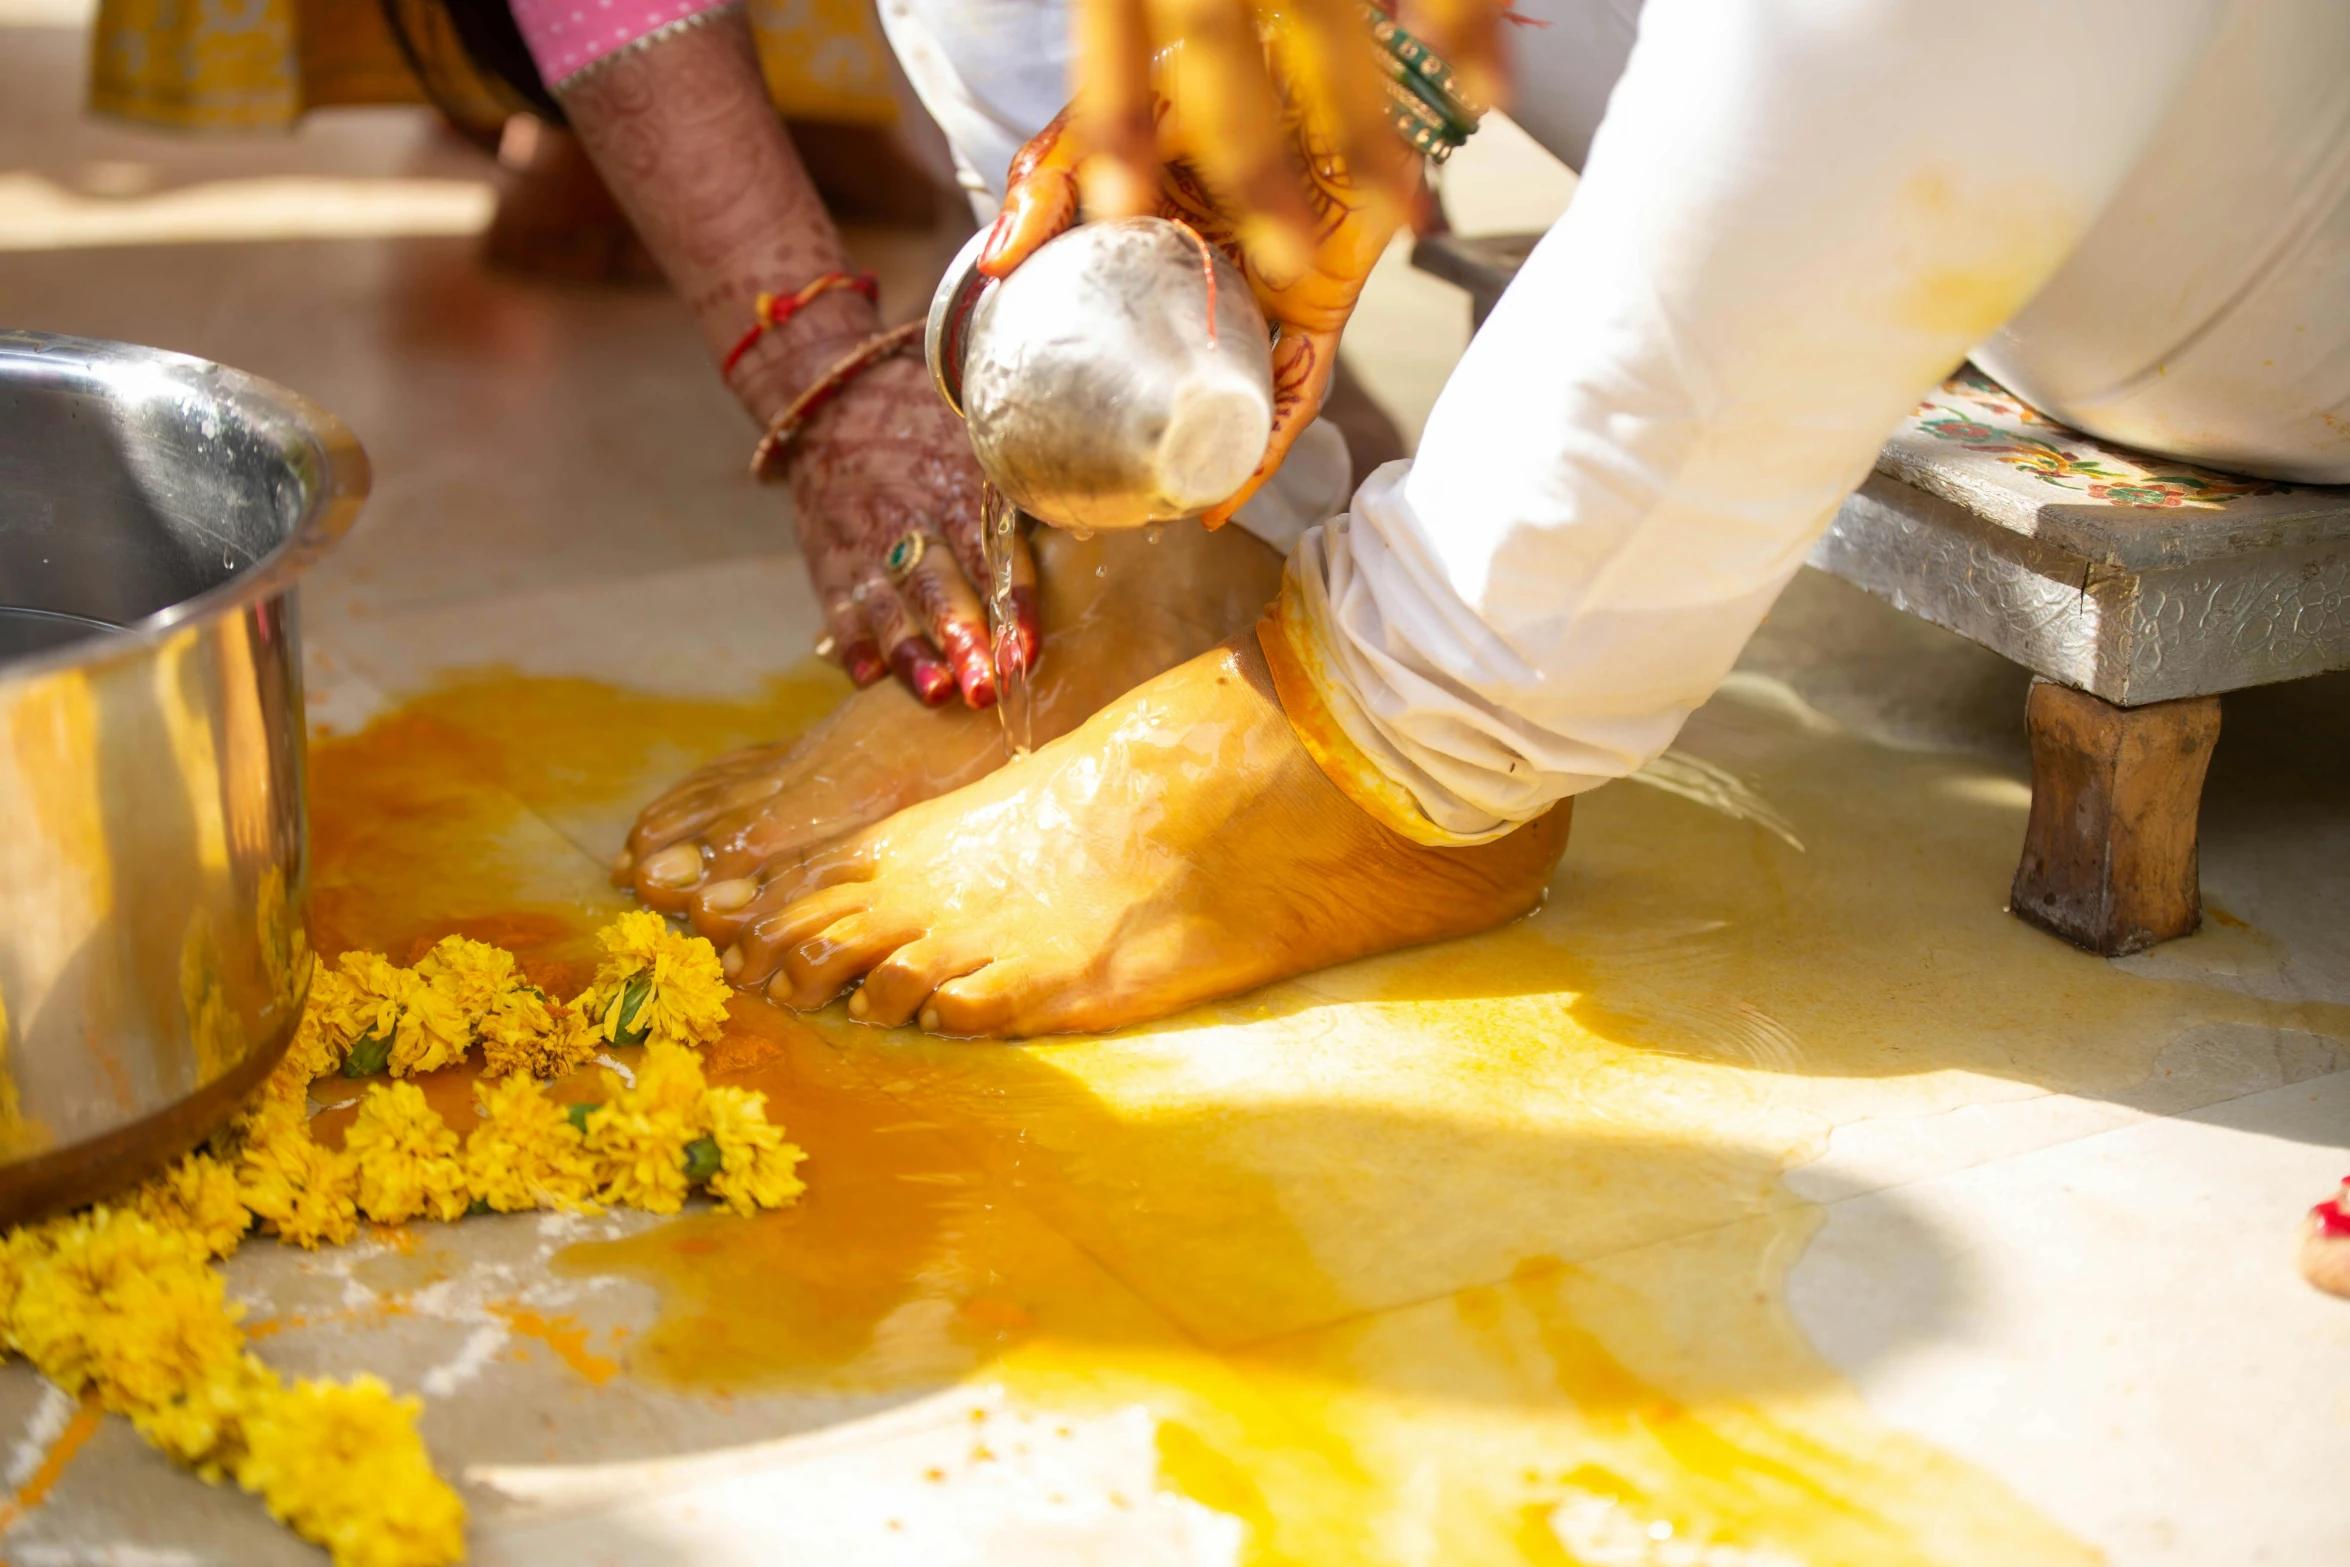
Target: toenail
{"points": [[724, 897], [730, 962], [929, 1020], [623, 863], [859, 1007], [676, 866]]}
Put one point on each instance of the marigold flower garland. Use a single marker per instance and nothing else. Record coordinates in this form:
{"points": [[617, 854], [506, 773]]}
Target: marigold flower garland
{"points": [[120, 1302]]}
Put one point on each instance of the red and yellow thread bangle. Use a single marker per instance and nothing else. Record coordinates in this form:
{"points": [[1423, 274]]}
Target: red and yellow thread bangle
{"points": [[774, 310], [767, 461]]}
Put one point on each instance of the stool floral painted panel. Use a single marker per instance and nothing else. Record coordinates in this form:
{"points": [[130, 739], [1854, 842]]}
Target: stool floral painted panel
{"points": [[1973, 413]]}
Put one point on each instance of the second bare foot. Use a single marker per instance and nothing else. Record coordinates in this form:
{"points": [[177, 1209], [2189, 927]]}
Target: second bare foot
{"points": [[1181, 845], [1115, 610]]}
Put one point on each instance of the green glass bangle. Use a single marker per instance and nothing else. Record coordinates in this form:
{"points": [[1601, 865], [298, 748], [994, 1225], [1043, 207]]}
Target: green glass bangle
{"points": [[1424, 96]]}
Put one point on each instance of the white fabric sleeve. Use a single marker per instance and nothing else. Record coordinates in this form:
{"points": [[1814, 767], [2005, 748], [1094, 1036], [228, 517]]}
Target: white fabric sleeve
{"points": [[1309, 485], [1797, 215]]}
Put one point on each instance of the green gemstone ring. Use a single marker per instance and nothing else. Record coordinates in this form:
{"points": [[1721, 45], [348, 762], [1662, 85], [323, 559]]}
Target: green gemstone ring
{"points": [[905, 555]]}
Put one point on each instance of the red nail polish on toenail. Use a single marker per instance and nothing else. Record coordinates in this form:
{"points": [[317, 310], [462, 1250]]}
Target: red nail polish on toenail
{"points": [[863, 662]]}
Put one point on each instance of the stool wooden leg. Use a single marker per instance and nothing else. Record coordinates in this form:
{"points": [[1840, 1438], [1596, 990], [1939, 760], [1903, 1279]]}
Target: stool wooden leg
{"points": [[2109, 855]]}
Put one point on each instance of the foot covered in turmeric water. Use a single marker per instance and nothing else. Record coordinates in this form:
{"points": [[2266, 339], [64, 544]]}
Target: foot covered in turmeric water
{"points": [[1115, 610], [1179, 846]]}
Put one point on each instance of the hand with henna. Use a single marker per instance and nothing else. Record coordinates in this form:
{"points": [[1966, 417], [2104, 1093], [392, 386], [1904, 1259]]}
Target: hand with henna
{"points": [[685, 136], [1245, 72], [887, 467], [1306, 269]]}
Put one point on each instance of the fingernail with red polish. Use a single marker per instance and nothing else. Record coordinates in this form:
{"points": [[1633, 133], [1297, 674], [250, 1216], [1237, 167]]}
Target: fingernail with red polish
{"points": [[863, 662], [1027, 629], [974, 672], [928, 677], [978, 683]]}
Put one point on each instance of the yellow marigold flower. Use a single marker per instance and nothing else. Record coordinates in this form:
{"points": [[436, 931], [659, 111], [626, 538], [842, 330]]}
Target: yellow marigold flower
{"points": [[358, 999], [755, 1164], [288, 1179], [20, 1248], [655, 983], [370, 1013], [640, 1158], [668, 1078], [407, 1157], [471, 974], [205, 1427], [526, 1153], [198, 1196], [129, 1310], [434, 1032], [342, 1466], [640, 1134], [525, 1035], [308, 1058]]}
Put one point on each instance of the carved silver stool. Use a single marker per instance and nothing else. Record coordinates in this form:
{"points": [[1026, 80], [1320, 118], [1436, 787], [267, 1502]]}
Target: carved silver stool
{"points": [[2136, 590]]}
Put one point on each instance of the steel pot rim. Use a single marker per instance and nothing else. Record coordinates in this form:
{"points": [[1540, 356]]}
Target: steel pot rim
{"points": [[333, 504]]}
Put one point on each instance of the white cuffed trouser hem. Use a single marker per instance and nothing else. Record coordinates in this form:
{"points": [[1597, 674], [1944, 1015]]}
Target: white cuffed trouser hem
{"points": [[1422, 687]]}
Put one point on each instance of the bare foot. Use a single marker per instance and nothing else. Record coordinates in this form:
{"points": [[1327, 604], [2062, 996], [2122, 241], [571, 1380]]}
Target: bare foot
{"points": [[1115, 610], [1181, 845]]}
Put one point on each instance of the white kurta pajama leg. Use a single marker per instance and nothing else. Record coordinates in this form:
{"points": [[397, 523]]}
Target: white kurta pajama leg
{"points": [[1797, 216]]}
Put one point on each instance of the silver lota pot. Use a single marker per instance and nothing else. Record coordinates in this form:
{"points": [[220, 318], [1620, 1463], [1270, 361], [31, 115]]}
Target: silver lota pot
{"points": [[155, 511], [1097, 394]]}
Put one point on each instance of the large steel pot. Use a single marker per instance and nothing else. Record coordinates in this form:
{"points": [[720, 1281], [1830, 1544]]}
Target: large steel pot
{"points": [[155, 511]]}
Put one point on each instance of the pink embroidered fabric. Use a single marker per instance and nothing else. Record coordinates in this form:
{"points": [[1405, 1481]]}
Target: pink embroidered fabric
{"points": [[568, 36]]}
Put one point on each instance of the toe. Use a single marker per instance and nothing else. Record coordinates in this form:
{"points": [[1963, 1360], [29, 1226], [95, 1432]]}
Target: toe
{"points": [[819, 967], [726, 897], [898, 987], [721, 909], [666, 879], [779, 884], [981, 1003], [764, 940]]}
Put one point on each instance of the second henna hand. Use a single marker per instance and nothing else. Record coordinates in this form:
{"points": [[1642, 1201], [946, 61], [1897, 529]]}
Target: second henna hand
{"points": [[684, 134]]}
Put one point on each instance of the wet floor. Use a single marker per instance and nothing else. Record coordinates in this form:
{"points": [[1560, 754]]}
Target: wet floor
{"points": [[1768, 1197], [1474, 1253]]}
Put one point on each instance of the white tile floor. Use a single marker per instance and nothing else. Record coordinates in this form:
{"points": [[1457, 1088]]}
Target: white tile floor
{"points": [[1792, 1126]]}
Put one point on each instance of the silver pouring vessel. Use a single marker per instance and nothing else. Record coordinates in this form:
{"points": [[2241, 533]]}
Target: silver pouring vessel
{"points": [[155, 512], [1108, 383]]}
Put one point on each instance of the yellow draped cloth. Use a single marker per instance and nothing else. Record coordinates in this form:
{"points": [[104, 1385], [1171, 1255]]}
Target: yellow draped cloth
{"points": [[263, 64]]}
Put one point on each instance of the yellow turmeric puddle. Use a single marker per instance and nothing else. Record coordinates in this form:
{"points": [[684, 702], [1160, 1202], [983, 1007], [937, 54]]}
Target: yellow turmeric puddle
{"points": [[1472, 1254]]}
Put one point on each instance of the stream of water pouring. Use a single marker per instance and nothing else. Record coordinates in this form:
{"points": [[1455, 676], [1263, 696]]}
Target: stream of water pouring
{"points": [[1014, 708]]}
